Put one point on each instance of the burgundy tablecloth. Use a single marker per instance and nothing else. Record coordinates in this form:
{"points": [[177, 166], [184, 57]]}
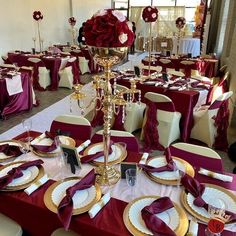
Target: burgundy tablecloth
{"points": [[19, 102], [184, 103], [204, 66]]}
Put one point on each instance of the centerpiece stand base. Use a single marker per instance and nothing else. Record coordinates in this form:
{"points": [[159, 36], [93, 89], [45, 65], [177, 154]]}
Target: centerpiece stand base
{"points": [[107, 175]]}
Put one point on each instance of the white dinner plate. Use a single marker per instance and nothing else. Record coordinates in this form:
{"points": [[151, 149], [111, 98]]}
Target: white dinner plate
{"points": [[166, 175], [216, 198], [170, 216], [80, 199], [28, 175]]}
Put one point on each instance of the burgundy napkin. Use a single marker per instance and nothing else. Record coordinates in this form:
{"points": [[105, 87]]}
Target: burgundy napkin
{"points": [[197, 189], [91, 157], [10, 150], [65, 207], [43, 148], [16, 172], [196, 85], [170, 166], [153, 223]]}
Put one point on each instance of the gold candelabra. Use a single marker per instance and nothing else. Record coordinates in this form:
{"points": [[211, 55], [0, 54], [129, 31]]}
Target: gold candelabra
{"points": [[110, 99]]}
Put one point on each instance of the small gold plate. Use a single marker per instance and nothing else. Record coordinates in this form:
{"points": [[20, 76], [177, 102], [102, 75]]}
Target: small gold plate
{"points": [[188, 169], [71, 141], [180, 230], [22, 186], [117, 161], [52, 207], [183, 199]]}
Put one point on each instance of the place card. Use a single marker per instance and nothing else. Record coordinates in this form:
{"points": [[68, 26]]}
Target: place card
{"points": [[125, 166]]}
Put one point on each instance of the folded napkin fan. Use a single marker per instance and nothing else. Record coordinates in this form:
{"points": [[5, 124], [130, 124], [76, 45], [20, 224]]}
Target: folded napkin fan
{"points": [[36, 184], [44, 148], [99, 205], [16, 172], [65, 207], [225, 178], [152, 222], [91, 157], [170, 166], [10, 150], [197, 189]]}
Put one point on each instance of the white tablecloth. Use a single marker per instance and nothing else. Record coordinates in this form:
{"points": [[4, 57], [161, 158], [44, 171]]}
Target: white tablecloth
{"points": [[187, 45]]}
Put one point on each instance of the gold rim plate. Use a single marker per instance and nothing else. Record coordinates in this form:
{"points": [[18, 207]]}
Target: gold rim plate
{"points": [[71, 141], [117, 161], [22, 186], [188, 169], [52, 207], [180, 230], [183, 199]]}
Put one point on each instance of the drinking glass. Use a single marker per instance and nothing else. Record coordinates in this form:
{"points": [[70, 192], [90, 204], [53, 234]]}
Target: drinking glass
{"points": [[25, 147], [27, 125], [131, 179]]}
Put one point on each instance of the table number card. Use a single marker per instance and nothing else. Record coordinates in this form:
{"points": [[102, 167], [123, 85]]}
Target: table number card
{"points": [[164, 44], [125, 166], [72, 157]]}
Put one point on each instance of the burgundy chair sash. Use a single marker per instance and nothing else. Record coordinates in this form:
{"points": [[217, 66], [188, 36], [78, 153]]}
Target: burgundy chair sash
{"points": [[75, 71], [81, 132], [151, 136], [188, 68]]}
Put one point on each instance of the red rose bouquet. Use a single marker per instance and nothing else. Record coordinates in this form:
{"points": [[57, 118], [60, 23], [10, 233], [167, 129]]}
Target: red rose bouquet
{"points": [[150, 14], [108, 28], [37, 15], [72, 21], [180, 22]]}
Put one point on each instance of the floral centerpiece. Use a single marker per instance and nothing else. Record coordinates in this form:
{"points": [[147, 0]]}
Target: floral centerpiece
{"points": [[108, 28], [180, 22], [72, 21], [150, 14], [37, 15]]}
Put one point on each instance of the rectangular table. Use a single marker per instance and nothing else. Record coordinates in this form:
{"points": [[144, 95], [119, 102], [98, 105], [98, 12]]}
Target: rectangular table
{"points": [[184, 102], [19, 102], [36, 219]]}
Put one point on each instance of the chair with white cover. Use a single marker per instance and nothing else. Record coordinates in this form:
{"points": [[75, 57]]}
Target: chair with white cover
{"points": [[41, 75], [189, 68], [9, 227], [211, 123], [175, 73], [134, 113], [153, 69], [8, 66], [63, 232], [6, 60], [69, 75], [161, 121], [119, 136], [84, 65], [77, 127]]}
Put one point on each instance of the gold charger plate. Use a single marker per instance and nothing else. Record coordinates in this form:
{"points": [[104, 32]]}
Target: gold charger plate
{"points": [[20, 144], [71, 141], [52, 207], [188, 169], [183, 199], [180, 230], [22, 186], [117, 161]]}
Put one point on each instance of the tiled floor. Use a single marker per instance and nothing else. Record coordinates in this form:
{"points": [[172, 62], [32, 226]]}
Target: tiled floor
{"points": [[50, 97]]}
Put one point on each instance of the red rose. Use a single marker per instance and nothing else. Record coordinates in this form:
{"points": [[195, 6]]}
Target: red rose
{"points": [[72, 21], [180, 22], [108, 28], [150, 14], [37, 15]]}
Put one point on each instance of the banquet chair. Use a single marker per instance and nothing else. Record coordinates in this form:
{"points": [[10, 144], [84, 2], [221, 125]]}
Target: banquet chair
{"points": [[8, 227], [63, 232], [193, 148], [166, 64], [77, 127], [162, 108], [206, 125], [83, 65], [175, 73], [67, 76], [119, 136], [41, 75], [153, 69], [8, 66], [133, 113], [6, 60], [189, 68]]}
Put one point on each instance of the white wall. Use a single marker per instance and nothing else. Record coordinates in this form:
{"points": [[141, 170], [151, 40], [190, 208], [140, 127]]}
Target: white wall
{"points": [[84, 9]]}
